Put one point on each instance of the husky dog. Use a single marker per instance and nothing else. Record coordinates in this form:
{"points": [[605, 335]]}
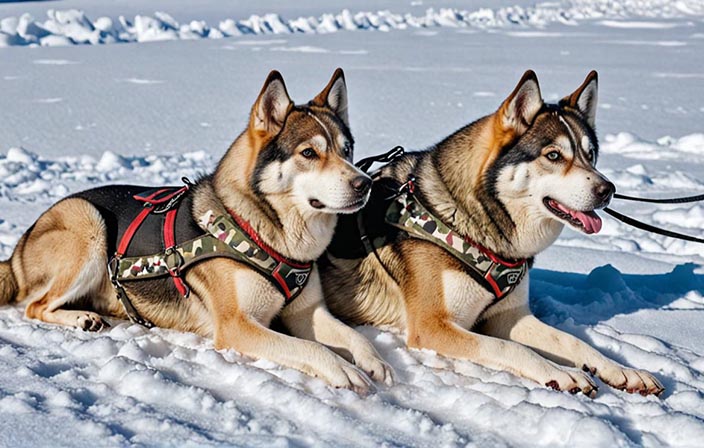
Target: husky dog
{"points": [[499, 191], [287, 176]]}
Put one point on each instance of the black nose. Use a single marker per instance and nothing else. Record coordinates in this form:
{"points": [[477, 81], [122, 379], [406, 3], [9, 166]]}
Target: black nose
{"points": [[361, 184], [604, 191]]}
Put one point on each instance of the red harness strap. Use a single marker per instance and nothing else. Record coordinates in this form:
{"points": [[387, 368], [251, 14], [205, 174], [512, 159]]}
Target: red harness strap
{"points": [[169, 230], [169, 243], [134, 226], [247, 228], [280, 259]]}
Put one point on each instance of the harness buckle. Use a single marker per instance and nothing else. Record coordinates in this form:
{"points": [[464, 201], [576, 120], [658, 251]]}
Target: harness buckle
{"points": [[409, 186], [174, 261], [130, 310], [113, 265], [502, 279]]}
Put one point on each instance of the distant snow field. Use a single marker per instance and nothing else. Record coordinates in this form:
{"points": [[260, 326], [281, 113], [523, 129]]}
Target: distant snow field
{"points": [[68, 27], [74, 115]]}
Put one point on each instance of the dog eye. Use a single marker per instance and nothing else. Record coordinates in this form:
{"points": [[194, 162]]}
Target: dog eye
{"points": [[308, 153], [590, 155], [347, 149], [553, 156]]}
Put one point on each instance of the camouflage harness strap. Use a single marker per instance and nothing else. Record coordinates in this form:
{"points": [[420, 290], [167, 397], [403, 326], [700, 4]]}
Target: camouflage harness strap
{"points": [[500, 277], [406, 213], [225, 238]]}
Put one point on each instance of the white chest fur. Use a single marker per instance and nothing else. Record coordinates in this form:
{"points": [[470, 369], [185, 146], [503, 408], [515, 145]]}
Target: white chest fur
{"points": [[465, 299]]}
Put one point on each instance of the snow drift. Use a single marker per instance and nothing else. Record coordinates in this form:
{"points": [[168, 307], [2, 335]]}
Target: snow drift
{"points": [[72, 27]]}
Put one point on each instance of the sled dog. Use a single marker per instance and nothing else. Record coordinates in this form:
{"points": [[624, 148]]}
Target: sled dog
{"points": [[449, 233], [221, 257]]}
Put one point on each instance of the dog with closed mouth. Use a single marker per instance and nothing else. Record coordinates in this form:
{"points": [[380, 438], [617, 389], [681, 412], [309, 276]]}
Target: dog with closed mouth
{"points": [[449, 233], [251, 230]]}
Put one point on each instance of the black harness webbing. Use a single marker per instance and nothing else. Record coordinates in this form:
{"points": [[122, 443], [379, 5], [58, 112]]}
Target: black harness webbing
{"points": [[157, 201], [141, 255]]}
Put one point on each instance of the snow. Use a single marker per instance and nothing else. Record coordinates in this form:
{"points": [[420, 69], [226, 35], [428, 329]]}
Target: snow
{"points": [[167, 103], [73, 26]]}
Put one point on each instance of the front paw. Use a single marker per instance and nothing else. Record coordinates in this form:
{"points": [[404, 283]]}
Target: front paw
{"points": [[376, 368], [631, 380], [341, 374], [572, 381]]}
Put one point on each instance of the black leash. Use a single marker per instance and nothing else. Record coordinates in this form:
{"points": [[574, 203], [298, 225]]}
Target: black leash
{"points": [[365, 165], [683, 200], [650, 228]]}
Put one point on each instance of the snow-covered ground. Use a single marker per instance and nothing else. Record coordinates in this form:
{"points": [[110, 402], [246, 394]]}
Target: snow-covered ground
{"points": [[75, 116]]}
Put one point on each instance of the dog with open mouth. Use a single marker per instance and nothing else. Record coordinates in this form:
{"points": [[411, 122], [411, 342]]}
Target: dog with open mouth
{"points": [[442, 249]]}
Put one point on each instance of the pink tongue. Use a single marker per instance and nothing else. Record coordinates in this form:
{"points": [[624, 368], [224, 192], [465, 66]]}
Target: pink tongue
{"points": [[590, 220]]}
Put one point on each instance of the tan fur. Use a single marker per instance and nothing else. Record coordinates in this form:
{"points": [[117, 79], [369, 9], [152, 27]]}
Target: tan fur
{"points": [[59, 265], [428, 294], [47, 268], [8, 284]]}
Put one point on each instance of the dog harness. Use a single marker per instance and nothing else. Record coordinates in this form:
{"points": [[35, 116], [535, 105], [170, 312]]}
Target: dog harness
{"points": [[394, 212], [500, 277], [226, 236]]}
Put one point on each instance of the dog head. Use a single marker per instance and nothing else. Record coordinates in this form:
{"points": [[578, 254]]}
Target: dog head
{"points": [[301, 155], [546, 175]]}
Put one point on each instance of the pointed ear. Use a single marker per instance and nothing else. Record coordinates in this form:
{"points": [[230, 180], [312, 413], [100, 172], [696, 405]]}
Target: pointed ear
{"points": [[334, 96], [520, 108], [584, 99], [270, 110]]}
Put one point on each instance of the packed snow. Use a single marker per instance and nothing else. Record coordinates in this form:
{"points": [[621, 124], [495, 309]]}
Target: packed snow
{"points": [[78, 116]]}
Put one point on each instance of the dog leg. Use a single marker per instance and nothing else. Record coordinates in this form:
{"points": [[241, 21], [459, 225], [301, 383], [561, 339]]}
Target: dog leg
{"points": [[308, 318], [251, 338], [63, 260], [566, 349], [85, 320], [447, 338], [240, 316], [432, 290]]}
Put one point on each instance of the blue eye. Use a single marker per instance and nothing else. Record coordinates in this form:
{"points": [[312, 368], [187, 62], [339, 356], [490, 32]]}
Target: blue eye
{"points": [[309, 153], [553, 156]]}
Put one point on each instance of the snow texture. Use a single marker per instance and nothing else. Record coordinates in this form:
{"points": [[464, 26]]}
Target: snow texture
{"points": [[76, 117], [71, 27]]}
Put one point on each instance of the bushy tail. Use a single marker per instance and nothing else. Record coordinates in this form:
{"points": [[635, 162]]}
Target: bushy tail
{"points": [[8, 283]]}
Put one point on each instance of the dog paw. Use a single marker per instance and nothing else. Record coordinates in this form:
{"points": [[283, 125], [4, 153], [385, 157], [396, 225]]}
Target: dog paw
{"points": [[572, 381], [341, 374], [376, 368], [89, 321], [631, 380], [355, 379]]}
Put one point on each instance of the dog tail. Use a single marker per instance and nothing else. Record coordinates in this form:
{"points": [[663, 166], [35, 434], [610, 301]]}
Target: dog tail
{"points": [[8, 283]]}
